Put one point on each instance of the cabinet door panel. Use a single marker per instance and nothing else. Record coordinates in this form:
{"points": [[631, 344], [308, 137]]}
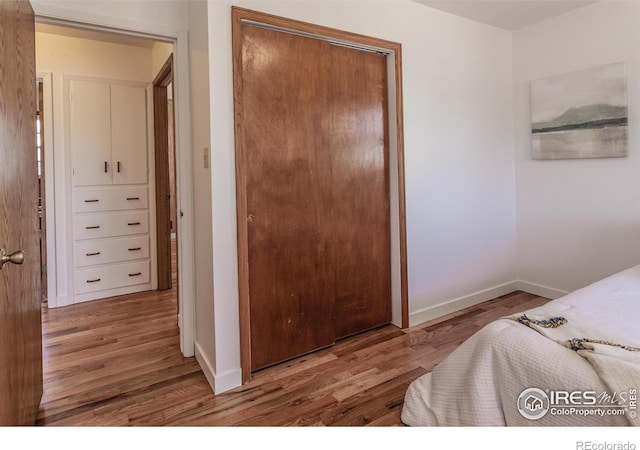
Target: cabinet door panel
{"points": [[90, 133], [129, 134]]}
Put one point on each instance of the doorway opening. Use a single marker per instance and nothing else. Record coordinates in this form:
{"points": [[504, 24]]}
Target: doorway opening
{"points": [[62, 57], [42, 210]]}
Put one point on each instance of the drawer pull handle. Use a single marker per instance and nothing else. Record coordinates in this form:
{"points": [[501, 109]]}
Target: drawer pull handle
{"points": [[93, 200], [93, 254], [95, 280], [133, 198], [137, 274], [133, 223], [133, 249], [106, 167], [93, 227]]}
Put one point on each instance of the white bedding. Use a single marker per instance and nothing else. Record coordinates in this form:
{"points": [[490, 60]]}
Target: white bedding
{"points": [[480, 382]]}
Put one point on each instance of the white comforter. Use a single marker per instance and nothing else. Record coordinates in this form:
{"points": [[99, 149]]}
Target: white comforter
{"points": [[480, 382]]}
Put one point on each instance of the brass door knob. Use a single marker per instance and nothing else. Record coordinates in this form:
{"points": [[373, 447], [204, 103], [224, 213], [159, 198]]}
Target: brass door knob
{"points": [[14, 258]]}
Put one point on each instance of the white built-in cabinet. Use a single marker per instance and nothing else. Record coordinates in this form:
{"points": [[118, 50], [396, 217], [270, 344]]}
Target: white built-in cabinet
{"points": [[108, 133], [110, 188]]}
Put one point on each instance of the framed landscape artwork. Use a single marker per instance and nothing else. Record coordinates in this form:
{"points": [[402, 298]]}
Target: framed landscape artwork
{"points": [[580, 114]]}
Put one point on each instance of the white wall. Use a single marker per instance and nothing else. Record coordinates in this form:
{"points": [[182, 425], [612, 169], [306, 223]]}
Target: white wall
{"points": [[199, 68], [150, 17], [60, 56], [578, 220], [458, 151], [159, 55], [71, 55]]}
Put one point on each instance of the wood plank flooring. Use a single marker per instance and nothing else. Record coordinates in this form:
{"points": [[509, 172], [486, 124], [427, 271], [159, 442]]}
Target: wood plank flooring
{"points": [[117, 362]]}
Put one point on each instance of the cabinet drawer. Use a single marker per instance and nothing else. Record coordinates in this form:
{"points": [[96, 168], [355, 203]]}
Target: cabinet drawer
{"points": [[105, 251], [93, 226], [97, 199], [112, 276]]}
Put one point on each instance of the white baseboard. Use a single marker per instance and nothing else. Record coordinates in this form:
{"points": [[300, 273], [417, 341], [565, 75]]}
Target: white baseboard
{"points": [[219, 382], [59, 301], [448, 307], [206, 366], [542, 291], [442, 309], [228, 380]]}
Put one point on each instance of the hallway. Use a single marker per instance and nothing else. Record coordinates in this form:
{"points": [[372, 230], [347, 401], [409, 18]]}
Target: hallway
{"points": [[125, 348]]}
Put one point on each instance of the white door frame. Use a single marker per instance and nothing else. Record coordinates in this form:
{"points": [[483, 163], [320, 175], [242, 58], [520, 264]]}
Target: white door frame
{"points": [[76, 18]]}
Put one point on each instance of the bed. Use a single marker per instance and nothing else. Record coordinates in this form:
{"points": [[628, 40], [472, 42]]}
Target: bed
{"points": [[574, 361]]}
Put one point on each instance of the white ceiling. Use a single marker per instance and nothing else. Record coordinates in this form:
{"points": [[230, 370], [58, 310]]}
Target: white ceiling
{"points": [[507, 14]]}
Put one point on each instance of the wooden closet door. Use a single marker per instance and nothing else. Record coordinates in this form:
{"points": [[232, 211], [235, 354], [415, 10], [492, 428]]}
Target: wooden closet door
{"points": [[286, 115], [360, 169]]}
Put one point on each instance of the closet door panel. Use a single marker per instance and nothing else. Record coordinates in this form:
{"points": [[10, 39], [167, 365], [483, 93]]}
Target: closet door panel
{"points": [[360, 190], [90, 132], [129, 134], [285, 97]]}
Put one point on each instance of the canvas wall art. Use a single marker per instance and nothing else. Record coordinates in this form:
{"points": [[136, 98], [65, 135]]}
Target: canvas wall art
{"points": [[580, 114]]}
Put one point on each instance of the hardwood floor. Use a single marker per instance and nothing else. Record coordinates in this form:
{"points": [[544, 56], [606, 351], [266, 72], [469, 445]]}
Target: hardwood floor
{"points": [[117, 362]]}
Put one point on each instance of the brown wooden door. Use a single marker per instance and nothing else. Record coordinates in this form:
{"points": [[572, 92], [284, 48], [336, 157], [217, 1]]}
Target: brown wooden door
{"points": [[162, 140], [20, 322], [285, 102], [316, 192], [360, 180]]}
